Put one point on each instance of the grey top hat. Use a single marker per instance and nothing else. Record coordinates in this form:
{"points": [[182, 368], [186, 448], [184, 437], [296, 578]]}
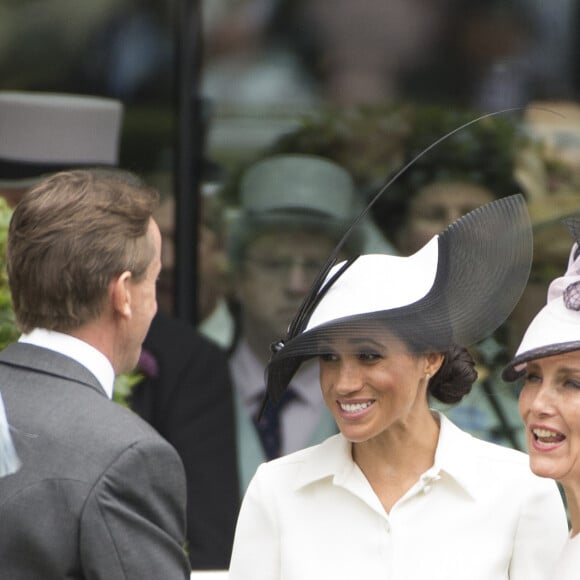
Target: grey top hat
{"points": [[300, 183], [293, 191], [47, 132]]}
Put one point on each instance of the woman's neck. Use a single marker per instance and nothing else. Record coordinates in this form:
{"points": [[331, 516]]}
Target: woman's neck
{"points": [[573, 503], [393, 462]]}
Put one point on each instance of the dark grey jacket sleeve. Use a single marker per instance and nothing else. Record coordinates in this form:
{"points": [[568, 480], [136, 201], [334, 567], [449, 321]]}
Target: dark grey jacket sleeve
{"points": [[132, 525]]}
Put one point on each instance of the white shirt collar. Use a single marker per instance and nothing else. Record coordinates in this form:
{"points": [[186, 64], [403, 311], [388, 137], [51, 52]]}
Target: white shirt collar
{"points": [[455, 456], [333, 458], [82, 352]]}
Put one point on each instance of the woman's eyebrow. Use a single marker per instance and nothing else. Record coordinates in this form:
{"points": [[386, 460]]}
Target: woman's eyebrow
{"points": [[567, 370], [366, 340]]}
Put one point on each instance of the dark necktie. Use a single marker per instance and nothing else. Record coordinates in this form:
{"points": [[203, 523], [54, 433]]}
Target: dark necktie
{"points": [[268, 425]]}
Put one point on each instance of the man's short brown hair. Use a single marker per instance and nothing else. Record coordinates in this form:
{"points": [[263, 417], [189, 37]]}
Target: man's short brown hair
{"points": [[71, 235]]}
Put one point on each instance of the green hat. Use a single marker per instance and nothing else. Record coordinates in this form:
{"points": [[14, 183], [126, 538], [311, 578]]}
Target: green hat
{"points": [[294, 192], [298, 183]]}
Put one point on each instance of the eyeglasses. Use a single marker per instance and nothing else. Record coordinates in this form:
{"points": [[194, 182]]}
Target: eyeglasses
{"points": [[282, 266]]}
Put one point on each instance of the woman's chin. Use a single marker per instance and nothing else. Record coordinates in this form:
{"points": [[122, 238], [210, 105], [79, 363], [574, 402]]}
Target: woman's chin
{"points": [[544, 467]]}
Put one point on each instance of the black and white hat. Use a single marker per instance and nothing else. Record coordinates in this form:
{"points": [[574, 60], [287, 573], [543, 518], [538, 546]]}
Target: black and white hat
{"points": [[556, 328], [456, 290], [48, 132]]}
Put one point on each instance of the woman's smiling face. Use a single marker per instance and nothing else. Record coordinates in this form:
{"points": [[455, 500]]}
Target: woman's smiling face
{"points": [[373, 384], [550, 407]]}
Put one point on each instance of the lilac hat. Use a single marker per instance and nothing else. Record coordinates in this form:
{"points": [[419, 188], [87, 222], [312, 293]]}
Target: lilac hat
{"points": [[556, 328]]}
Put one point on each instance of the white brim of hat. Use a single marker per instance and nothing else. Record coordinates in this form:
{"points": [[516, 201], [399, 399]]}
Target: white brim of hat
{"points": [[554, 330], [350, 297]]}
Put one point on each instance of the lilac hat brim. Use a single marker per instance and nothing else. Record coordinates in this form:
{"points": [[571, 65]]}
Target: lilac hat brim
{"points": [[517, 367], [556, 328]]}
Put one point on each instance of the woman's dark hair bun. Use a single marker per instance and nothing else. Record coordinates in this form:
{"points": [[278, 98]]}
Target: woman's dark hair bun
{"points": [[455, 377]]}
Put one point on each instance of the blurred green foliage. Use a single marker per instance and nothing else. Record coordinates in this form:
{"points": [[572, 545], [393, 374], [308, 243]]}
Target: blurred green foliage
{"points": [[124, 385], [8, 329], [419, 144], [373, 142]]}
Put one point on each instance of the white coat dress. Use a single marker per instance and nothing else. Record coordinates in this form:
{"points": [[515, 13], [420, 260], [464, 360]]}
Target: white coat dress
{"points": [[478, 513]]}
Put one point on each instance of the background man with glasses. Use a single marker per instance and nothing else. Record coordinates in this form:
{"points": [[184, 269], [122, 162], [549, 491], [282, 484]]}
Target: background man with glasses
{"points": [[293, 211]]}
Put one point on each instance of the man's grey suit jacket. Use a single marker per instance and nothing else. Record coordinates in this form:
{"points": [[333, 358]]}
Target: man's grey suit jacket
{"points": [[99, 495]]}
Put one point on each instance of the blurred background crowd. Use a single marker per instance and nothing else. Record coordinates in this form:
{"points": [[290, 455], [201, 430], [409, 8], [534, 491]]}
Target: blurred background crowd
{"points": [[263, 63], [336, 97]]}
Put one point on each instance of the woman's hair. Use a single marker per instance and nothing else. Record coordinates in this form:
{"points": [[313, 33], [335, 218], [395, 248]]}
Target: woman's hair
{"points": [[457, 373], [455, 377], [69, 237]]}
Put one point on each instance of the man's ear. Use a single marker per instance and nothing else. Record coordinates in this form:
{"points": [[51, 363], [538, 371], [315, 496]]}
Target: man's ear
{"points": [[121, 294]]}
